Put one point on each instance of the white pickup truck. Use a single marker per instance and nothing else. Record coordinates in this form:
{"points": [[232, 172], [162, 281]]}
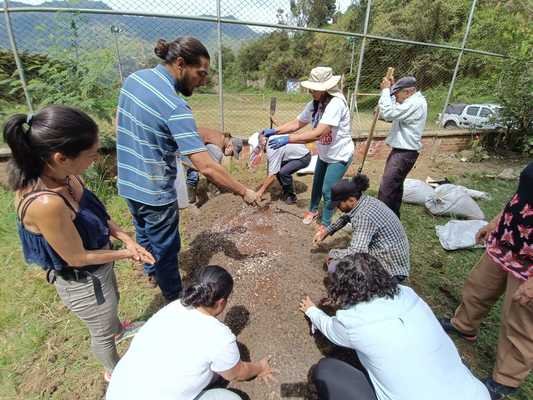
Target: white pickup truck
{"points": [[484, 116]]}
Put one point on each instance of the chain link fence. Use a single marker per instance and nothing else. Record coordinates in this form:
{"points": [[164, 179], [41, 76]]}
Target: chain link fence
{"points": [[78, 52]]}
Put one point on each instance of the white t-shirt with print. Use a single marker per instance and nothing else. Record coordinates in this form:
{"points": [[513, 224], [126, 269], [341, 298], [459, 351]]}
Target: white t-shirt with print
{"points": [[292, 151], [336, 145], [174, 356]]}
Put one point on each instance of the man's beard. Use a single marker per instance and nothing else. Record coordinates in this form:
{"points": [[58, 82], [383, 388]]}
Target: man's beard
{"points": [[185, 86]]}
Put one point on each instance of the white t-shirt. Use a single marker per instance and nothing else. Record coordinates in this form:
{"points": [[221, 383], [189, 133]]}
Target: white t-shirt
{"points": [[292, 151], [337, 145], [174, 356], [401, 344]]}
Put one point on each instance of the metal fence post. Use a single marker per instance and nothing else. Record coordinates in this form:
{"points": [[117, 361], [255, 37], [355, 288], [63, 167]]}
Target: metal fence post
{"points": [[361, 58], [352, 57], [220, 77], [454, 76], [16, 55], [115, 30]]}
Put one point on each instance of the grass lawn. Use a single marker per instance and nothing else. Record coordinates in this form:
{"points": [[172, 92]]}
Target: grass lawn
{"points": [[44, 349], [245, 114]]}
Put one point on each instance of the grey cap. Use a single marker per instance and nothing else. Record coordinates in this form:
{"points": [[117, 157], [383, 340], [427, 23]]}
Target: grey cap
{"points": [[237, 146], [403, 83]]}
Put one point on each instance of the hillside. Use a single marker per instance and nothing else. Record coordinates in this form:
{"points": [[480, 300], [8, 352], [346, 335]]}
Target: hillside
{"points": [[38, 31]]}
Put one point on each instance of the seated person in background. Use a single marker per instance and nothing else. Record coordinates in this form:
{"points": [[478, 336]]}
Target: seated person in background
{"points": [[183, 347], [282, 163], [375, 228], [218, 145], [404, 352]]}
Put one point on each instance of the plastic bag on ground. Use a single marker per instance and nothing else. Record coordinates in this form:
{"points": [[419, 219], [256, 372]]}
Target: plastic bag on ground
{"points": [[453, 200], [416, 191], [459, 234]]}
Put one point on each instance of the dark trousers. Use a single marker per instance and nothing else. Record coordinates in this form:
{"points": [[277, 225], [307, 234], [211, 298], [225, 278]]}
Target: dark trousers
{"points": [[398, 165], [156, 229], [288, 168], [337, 380]]}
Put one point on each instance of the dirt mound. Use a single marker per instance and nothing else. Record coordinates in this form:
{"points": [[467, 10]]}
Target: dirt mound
{"points": [[269, 253]]}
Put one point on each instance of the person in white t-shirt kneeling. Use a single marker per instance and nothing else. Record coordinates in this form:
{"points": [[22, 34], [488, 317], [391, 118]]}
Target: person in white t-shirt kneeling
{"points": [[184, 348], [282, 163]]}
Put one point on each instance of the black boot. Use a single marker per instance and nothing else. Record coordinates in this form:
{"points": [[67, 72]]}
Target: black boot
{"points": [[290, 198]]}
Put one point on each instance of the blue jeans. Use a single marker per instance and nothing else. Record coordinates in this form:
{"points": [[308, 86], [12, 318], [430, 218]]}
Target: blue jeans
{"points": [[326, 175], [156, 229]]}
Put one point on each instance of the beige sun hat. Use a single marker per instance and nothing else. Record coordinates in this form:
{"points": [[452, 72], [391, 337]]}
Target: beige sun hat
{"points": [[321, 79]]}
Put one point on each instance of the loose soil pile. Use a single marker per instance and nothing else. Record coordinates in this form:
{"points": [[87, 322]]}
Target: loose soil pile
{"points": [[269, 252]]}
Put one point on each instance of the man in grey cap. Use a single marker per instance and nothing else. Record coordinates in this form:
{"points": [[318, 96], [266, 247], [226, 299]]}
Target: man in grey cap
{"points": [[406, 107], [218, 145]]}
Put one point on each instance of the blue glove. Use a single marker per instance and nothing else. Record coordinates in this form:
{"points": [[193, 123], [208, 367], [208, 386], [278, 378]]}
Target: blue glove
{"points": [[278, 141], [267, 132]]}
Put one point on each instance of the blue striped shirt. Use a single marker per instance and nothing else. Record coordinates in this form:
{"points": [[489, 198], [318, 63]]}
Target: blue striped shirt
{"points": [[153, 124]]}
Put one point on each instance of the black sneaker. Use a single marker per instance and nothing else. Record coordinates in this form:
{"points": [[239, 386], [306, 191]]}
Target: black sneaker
{"points": [[498, 391], [291, 199], [448, 327]]}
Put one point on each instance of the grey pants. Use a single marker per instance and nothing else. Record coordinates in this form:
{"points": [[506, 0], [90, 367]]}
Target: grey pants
{"points": [[217, 394], [337, 380], [102, 320]]}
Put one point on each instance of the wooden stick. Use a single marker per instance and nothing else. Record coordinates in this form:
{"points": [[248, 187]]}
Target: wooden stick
{"points": [[390, 76]]}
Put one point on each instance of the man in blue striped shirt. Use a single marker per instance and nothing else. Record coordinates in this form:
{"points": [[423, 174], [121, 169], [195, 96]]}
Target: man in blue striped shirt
{"points": [[153, 124]]}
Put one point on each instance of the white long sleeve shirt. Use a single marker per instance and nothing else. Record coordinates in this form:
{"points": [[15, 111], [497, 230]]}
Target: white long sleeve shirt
{"points": [[408, 119], [401, 344]]}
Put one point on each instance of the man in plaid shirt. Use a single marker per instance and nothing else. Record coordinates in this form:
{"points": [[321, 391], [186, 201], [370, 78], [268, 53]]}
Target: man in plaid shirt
{"points": [[376, 230]]}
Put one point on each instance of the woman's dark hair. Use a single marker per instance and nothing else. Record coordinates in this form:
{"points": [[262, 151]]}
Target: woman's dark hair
{"points": [[360, 278], [316, 106], [210, 284], [359, 183], [34, 138], [186, 47]]}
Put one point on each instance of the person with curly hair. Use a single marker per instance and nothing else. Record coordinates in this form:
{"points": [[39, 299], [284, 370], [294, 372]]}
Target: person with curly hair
{"points": [[184, 348], [403, 351], [375, 228]]}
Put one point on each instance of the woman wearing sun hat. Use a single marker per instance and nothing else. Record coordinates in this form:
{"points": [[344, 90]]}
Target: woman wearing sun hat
{"points": [[329, 117]]}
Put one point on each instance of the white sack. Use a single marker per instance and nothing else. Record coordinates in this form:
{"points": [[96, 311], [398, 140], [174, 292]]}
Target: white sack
{"points": [[453, 200], [416, 191], [459, 234], [181, 185]]}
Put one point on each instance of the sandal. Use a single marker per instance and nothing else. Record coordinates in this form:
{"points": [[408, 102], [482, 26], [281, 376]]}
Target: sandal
{"points": [[129, 329], [309, 216]]}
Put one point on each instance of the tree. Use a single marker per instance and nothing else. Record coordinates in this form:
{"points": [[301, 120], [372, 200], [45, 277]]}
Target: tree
{"points": [[312, 13]]}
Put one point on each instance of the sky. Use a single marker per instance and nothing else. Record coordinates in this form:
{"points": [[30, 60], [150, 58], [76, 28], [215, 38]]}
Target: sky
{"points": [[249, 10]]}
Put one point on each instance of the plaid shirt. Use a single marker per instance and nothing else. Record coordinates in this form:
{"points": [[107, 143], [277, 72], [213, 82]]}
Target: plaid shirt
{"points": [[376, 230]]}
